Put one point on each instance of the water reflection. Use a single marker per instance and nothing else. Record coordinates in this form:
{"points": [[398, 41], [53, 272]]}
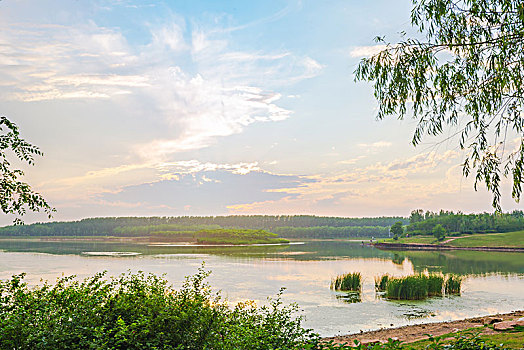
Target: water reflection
{"points": [[349, 297], [494, 282]]}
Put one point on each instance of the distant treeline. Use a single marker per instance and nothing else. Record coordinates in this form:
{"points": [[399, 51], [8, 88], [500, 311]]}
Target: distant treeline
{"points": [[332, 232], [312, 226], [423, 222]]}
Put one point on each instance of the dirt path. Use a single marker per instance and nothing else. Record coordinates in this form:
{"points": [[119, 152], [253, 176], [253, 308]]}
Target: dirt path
{"points": [[409, 334], [450, 240]]}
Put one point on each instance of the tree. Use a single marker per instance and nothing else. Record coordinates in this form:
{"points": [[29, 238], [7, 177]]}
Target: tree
{"points": [[465, 73], [17, 196], [416, 216], [439, 232], [397, 229]]}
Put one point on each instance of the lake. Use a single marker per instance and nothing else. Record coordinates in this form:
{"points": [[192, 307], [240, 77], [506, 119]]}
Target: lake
{"points": [[494, 282]]}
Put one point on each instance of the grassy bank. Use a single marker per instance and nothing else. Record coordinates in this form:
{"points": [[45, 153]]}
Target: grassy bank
{"points": [[503, 240], [508, 239]]}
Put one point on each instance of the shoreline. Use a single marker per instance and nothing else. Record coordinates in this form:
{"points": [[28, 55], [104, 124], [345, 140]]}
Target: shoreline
{"points": [[413, 333], [421, 246]]}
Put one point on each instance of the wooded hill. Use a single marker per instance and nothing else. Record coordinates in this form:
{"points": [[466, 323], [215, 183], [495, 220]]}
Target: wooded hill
{"points": [[290, 226]]}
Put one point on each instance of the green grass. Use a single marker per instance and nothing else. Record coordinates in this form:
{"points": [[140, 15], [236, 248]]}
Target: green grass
{"points": [[414, 239], [347, 282], [407, 288], [508, 239], [511, 340], [237, 236], [453, 284], [435, 284], [381, 283]]}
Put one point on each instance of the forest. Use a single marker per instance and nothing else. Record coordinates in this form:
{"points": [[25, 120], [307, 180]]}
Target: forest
{"points": [[292, 226], [421, 222]]}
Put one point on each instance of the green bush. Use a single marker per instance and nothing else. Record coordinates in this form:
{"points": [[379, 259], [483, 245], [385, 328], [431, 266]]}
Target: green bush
{"points": [[139, 311]]}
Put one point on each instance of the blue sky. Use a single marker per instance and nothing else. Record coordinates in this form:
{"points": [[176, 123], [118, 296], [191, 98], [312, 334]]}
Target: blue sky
{"points": [[216, 107]]}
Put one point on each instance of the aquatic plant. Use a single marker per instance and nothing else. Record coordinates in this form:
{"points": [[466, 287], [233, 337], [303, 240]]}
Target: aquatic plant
{"points": [[347, 282], [453, 284], [381, 282], [435, 284], [407, 288]]}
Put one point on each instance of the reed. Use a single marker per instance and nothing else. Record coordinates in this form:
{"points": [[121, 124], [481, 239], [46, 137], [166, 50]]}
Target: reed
{"points": [[453, 284], [435, 284], [407, 288], [347, 282], [381, 282]]}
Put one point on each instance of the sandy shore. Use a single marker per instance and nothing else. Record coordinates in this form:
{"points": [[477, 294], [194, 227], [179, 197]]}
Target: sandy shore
{"points": [[413, 333]]}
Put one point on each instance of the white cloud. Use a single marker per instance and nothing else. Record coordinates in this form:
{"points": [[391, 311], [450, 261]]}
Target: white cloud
{"points": [[366, 51], [220, 97], [378, 144]]}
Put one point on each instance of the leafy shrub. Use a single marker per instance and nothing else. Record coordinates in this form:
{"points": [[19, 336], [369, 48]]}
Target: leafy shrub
{"points": [[139, 311]]}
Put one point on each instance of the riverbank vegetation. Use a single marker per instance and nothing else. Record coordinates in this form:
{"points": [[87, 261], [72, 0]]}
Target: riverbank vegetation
{"points": [[453, 284], [508, 239], [501, 240], [418, 287], [381, 283], [423, 223], [138, 311], [347, 282]]}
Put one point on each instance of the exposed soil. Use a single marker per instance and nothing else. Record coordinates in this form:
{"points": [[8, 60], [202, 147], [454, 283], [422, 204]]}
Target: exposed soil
{"points": [[409, 334]]}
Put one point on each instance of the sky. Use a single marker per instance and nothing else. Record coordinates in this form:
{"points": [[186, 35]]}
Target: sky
{"points": [[216, 108]]}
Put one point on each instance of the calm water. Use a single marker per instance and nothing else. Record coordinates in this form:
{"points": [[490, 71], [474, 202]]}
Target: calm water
{"points": [[494, 281]]}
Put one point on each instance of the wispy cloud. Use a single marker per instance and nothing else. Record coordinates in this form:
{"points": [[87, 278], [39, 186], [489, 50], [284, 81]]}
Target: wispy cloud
{"points": [[366, 51], [216, 93], [375, 145]]}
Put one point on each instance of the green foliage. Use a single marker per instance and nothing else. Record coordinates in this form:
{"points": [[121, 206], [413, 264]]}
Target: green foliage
{"points": [[237, 236], [304, 226], [397, 229], [453, 284], [407, 288], [17, 196], [419, 286], [465, 74], [464, 341], [508, 239], [435, 284], [381, 283], [138, 311], [347, 282], [439, 232], [461, 341], [467, 223], [332, 232]]}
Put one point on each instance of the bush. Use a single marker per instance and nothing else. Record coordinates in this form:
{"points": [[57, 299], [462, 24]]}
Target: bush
{"points": [[139, 311]]}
